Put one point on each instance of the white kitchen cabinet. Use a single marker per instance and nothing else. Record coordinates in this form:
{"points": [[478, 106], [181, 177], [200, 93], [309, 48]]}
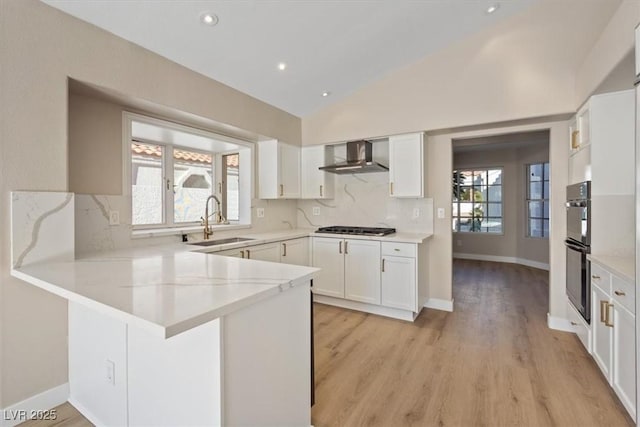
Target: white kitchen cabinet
{"points": [[602, 335], [406, 165], [237, 253], [614, 332], [399, 283], [328, 255], [267, 252], [317, 184], [278, 170], [623, 379], [295, 251], [362, 270]]}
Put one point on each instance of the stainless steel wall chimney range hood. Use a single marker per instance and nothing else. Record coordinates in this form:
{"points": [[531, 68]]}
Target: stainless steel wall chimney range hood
{"points": [[359, 160]]}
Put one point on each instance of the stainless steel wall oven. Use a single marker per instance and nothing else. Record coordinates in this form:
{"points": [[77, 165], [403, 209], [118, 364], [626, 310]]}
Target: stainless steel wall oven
{"points": [[578, 243]]}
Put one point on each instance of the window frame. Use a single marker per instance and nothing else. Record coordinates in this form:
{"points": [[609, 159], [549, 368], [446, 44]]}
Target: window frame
{"points": [[245, 150], [544, 200], [501, 203]]}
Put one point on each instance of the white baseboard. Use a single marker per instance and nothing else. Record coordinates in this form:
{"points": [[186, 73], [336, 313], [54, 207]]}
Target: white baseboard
{"points": [[439, 304], [28, 408], [367, 308], [507, 259], [559, 324]]}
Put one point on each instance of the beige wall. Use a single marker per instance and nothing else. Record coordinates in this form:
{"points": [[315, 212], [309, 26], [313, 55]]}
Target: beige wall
{"points": [[39, 48], [95, 146], [439, 186], [521, 68], [615, 42]]}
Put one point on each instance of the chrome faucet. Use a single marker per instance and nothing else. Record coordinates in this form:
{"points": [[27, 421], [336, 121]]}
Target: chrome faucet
{"points": [[205, 221]]}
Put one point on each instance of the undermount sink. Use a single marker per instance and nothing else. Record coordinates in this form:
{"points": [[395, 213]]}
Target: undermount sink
{"points": [[221, 241]]}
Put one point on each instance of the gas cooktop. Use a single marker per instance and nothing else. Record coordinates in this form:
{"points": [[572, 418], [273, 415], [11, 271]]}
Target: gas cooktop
{"points": [[360, 231]]}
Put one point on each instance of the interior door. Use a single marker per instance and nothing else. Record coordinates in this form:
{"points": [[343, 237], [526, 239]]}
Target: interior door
{"points": [[328, 255], [362, 270]]}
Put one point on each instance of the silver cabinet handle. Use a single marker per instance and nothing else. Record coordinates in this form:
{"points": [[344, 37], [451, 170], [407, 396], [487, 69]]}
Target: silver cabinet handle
{"points": [[340, 247], [321, 195], [383, 265], [248, 254], [619, 293], [242, 254], [346, 247], [284, 248], [595, 277]]}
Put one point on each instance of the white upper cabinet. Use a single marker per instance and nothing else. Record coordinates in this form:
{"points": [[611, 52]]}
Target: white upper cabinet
{"points": [[317, 184], [637, 50], [278, 170], [406, 165]]}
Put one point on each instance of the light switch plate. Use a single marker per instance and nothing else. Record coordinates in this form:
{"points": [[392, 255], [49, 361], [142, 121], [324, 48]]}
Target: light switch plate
{"points": [[316, 211], [440, 213], [260, 212]]}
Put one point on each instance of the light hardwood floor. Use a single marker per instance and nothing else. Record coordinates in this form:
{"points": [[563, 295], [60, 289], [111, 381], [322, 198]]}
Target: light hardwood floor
{"points": [[493, 362]]}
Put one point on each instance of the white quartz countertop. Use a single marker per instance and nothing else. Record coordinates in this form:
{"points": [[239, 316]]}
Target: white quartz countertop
{"points": [[399, 237], [165, 289], [624, 267]]}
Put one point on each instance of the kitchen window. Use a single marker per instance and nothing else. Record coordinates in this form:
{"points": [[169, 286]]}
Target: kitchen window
{"points": [[538, 200], [477, 200], [172, 170]]}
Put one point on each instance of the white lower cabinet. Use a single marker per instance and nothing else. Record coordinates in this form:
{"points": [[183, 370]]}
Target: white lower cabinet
{"points": [[362, 271], [602, 337], [329, 258], [295, 251], [398, 283], [623, 378], [267, 252], [614, 333], [349, 269]]}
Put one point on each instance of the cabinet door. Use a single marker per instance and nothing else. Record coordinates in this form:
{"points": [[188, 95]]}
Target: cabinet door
{"points": [[317, 184], [602, 336], [295, 251], [289, 169], [406, 168], [269, 252], [399, 283], [584, 126], [237, 253], [328, 256], [624, 357], [362, 270]]}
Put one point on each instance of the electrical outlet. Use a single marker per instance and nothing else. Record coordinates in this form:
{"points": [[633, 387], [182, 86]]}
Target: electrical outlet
{"points": [[440, 213], [114, 218], [416, 213], [260, 212], [111, 372], [316, 211]]}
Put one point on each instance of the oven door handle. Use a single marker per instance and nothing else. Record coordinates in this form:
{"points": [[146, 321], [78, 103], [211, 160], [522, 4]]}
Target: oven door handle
{"points": [[576, 247]]}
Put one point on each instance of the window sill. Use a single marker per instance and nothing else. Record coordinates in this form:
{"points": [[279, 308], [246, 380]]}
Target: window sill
{"points": [[158, 232]]}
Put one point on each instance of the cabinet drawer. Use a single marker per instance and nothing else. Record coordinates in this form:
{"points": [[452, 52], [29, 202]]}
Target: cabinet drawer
{"points": [[580, 327], [624, 293], [399, 249], [601, 277]]}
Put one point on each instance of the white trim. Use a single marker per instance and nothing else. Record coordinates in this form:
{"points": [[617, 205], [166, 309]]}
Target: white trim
{"points": [[560, 324], [23, 411], [507, 259], [85, 412], [439, 304], [367, 308]]}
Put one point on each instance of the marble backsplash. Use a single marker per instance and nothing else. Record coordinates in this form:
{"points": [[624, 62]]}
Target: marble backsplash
{"points": [[94, 234], [41, 227], [363, 200]]}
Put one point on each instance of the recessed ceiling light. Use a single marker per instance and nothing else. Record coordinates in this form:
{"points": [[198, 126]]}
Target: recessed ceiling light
{"points": [[282, 66], [209, 18], [326, 93], [493, 8]]}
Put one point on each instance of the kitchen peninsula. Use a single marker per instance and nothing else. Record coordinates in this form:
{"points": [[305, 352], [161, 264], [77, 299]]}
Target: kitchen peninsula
{"points": [[166, 336]]}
